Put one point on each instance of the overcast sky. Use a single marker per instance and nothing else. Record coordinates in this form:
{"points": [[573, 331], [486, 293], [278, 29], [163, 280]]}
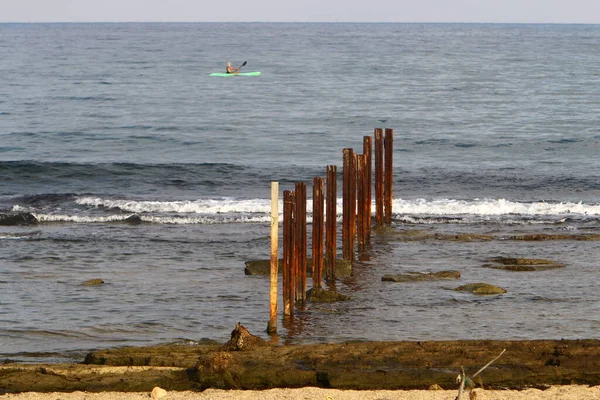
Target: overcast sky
{"points": [[534, 11]]}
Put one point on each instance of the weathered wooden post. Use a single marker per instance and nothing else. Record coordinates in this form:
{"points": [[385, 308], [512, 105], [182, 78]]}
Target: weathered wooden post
{"points": [[347, 163], [361, 200], [367, 150], [379, 177], [331, 224], [352, 204], [288, 245], [301, 242], [317, 232], [272, 325], [294, 247], [389, 173], [349, 204]]}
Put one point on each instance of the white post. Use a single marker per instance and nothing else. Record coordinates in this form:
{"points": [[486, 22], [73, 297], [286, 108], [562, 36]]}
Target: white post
{"points": [[272, 326]]}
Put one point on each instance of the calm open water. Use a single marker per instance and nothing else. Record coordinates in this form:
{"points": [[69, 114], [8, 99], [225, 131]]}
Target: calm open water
{"points": [[497, 131]]}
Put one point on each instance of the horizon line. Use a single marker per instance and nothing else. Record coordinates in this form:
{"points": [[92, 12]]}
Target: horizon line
{"points": [[300, 22]]}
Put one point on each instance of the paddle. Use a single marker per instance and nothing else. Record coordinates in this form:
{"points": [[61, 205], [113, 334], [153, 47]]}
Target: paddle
{"points": [[237, 71]]}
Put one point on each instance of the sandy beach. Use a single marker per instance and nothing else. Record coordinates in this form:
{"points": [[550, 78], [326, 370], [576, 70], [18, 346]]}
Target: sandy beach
{"points": [[569, 392]]}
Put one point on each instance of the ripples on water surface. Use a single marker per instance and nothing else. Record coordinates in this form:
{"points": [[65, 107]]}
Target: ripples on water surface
{"points": [[496, 132]]}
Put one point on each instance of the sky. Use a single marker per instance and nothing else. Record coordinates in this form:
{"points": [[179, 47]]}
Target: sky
{"points": [[496, 11]]}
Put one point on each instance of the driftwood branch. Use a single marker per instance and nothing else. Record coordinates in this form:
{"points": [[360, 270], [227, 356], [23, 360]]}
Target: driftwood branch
{"points": [[463, 378], [468, 382], [488, 364]]}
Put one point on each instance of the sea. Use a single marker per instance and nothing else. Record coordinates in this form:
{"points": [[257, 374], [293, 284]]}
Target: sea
{"points": [[496, 132]]}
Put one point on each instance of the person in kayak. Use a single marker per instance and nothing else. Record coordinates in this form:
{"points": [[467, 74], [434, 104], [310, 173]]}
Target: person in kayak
{"points": [[232, 70]]}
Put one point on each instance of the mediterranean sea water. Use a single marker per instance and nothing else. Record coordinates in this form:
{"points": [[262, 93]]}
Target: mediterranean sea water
{"points": [[496, 132]]}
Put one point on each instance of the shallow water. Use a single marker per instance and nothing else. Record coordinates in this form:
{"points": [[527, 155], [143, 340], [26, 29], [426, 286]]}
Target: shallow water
{"points": [[496, 132]]}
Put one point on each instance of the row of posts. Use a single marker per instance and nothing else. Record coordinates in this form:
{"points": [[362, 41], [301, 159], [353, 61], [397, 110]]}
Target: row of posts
{"points": [[356, 220]]}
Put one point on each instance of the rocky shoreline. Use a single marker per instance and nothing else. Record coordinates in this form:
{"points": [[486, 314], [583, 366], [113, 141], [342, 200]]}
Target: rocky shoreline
{"points": [[348, 366]]}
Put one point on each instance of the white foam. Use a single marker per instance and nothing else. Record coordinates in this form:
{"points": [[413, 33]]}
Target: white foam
{"points": [[445, 207], [416, 211], [490, 207], [79, 218], [202, 206], [178, 220]]}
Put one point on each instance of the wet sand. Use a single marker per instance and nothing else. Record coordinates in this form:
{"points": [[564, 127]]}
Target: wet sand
{"points": [[569, 392]]}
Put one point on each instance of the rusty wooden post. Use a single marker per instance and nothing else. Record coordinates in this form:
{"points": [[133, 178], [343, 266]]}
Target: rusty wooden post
{"points": [[379, 177], [367, 150], [301, 242], [361, 197], [331, 223], [272, 325], [294, 247], [287, 250], [317, 232], [352, 205], [346, 195], [389, 173]]}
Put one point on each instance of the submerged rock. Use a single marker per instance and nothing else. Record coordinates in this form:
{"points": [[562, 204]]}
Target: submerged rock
{"points": [[481, 288], [407, 234], [324, 296], [93, 282], [343, 268], [421, 277], [134, 220], [17, 219], [520, 261], [465, 237], [522, 264], [544, 236], [419, 234]]}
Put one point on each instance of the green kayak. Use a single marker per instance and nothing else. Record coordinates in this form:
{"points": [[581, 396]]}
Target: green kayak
{"points": [[256, 73]]}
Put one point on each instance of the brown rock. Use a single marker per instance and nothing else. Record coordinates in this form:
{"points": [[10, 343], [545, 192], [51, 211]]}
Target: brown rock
{"points": [[465, 237], [522, 264], [243, 340], [325, 296], [419, 277], [481, 288], [93, 282]]}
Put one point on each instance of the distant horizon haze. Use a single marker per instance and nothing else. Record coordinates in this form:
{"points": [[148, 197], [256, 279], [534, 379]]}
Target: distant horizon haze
{"points": [[373, 11]]}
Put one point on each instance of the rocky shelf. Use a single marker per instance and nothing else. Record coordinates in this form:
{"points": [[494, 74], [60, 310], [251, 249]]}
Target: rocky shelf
{"points": [[355, 365]]}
